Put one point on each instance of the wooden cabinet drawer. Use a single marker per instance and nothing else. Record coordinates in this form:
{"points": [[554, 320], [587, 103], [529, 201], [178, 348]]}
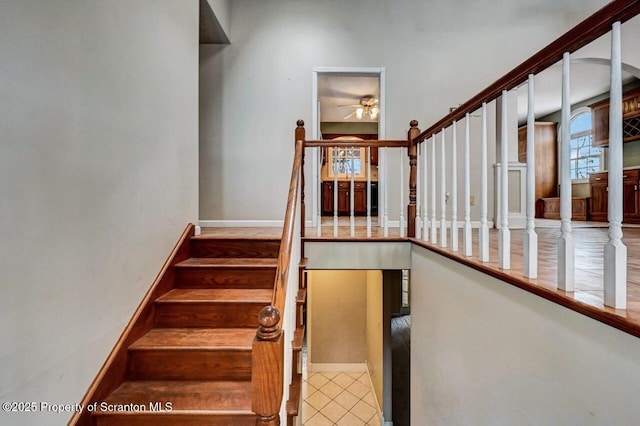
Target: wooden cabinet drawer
{"points": [[598, 177], [631, 175]]}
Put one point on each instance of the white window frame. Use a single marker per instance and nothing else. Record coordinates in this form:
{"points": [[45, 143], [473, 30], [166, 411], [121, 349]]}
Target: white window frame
{"points": [[574, 114]]}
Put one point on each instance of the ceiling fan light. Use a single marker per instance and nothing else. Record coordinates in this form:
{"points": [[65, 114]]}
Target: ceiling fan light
{"points": [[374, 112], [359, 113]]}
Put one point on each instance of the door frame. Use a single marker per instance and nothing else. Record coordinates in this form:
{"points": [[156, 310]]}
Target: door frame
{"points": [[315, 133]]}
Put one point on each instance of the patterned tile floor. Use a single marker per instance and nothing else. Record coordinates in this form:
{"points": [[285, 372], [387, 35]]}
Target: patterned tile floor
{"points": [[338, 399]]}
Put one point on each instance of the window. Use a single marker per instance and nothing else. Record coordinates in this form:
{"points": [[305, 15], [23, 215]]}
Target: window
{"points": [[585, 158], [344, 161]]}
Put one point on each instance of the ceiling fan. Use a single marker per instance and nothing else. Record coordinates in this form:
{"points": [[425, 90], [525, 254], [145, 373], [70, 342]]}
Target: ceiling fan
{"points": [[368, 107]]}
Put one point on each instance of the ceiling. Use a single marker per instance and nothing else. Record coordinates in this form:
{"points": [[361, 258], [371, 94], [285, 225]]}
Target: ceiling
{"points": [[337, 90]]}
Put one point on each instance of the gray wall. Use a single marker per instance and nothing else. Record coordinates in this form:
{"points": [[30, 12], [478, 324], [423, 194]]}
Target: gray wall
{"points": [[436, 55], [98, 178], [484, 352]]}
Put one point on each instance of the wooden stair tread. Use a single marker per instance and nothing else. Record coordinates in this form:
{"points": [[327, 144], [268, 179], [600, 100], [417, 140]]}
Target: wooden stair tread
{"points": [[196, 338], [224, 262], [295, 391], [301, 296], [218, 396], [182, 295], [298, 337], [207, 236]]}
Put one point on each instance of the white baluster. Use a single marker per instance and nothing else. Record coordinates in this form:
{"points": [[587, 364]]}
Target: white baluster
{"points": [[504, 235], [401, 192], [467, 191], [434, 238], [566, 257], [425, 192], [418, 228], [319, 191], [454, 188], [352, 218], [615, 253], [385, 218], [335, 192], [530, 237], [483, 233], [443, 200], [368, 192]]}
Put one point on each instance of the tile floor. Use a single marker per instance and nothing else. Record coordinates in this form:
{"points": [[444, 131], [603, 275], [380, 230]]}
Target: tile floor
{"points": [[338, 399]]}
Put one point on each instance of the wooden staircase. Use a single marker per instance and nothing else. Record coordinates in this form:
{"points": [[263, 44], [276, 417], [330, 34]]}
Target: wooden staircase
{"points": [[186, 358]]}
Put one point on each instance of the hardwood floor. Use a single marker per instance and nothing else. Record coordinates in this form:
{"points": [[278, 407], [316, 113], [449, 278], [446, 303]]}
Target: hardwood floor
{"points": [[589, 257]]}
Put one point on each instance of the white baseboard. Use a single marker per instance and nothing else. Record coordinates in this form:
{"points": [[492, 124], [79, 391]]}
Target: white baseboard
{"points": [[336, 368], [240, 223]]}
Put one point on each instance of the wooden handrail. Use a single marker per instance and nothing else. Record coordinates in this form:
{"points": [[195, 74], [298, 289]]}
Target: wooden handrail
{"points": [[267, 375], [579, 36], [350, 143]]}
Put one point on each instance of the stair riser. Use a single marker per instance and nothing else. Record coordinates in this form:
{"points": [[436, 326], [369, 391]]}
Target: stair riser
{"points": [[180, 364], [203, 277], [150, 419], [234, 248], [199, 314]]}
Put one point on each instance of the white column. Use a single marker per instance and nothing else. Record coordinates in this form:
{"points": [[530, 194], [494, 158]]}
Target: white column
{"points": [[483, 232], [443, 200], [352, 190], [504, 235], [368, 192], [425, 192], [615, 253], [401, 192], [454, 188], [566, 257], [434, 237], [530, 237], [335, 192], [467, 190]]}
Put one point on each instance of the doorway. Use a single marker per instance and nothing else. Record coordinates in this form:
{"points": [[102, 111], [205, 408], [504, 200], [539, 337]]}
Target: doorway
{"points": [[347, 103]]}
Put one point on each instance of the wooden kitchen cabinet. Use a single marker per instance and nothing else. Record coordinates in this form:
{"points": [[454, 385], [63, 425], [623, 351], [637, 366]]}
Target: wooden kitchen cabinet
{"points": [[344, 198], [546, 160], [631, 210], [630, 196], [630, 119], [599, 196]]}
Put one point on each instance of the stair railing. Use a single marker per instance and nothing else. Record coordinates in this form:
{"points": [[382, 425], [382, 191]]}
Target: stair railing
{"points": [[346, 160], [442, 134], [272, 344]]}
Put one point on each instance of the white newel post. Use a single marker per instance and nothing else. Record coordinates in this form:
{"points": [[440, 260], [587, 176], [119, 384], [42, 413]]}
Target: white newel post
{"points": [[467, 191], [483, 233], [425, 193], [443, 200], [454, 189], [530, 237], [434, 237], [368, 192], [566, 256], [615, 252], [401, 192], [504, 235]]}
